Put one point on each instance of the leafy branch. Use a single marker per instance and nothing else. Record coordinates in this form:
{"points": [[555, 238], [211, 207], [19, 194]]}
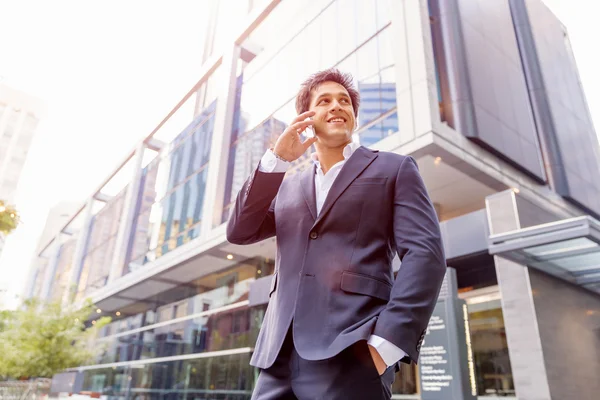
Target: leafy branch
{"points": [[9, 218], [42, 339]]}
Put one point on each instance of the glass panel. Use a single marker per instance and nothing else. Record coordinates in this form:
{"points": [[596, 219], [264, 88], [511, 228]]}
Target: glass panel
{"points": [[554, 249], [101, 245], [173, 220], [216, 378], [490, 349], [212, 291], [579, 263], [63, 270], [229, 329], [143, 227], [382, 128], [266, 90]]}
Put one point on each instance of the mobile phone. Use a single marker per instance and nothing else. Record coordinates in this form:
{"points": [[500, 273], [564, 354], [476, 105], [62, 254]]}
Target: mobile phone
{"points": [[309, 131]]}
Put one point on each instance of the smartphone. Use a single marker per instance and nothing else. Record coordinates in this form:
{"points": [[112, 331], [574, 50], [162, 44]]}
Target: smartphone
{"points": [[309, 131]]}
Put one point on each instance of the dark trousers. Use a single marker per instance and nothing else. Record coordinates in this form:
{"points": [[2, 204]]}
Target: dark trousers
{"points": [[350, 375]]}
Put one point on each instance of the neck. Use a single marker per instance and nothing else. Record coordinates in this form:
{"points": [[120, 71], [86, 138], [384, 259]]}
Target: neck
{"points": [[329, 156]]}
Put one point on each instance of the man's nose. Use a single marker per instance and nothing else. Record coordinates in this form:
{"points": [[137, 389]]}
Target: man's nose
{"points": [[335, 105]]}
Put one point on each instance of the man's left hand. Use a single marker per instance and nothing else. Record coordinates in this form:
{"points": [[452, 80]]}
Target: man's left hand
{"points": [[379, 363]]}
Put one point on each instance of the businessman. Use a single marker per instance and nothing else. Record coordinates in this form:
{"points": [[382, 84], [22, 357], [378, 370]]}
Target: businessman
{"points": [[338, 323]]}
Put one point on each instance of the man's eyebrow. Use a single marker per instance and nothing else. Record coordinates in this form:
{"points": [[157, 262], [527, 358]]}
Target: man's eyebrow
{"points": [[331, 94]]}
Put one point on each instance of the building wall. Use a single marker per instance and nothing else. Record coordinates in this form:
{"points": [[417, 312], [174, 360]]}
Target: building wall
{"points": [[490, 104], [572, 145], [568, 318]]}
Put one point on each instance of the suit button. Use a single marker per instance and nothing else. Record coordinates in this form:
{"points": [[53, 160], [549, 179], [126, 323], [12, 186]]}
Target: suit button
{"points": [[314, 235]]}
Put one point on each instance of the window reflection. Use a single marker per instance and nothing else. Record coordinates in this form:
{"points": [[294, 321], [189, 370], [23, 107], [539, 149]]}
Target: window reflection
{"points": [[490, 349], [231, 329], [144, 221], [266, 89], [62, 277], [101, 246], [219, 289], [178, 179], [216, 378]]}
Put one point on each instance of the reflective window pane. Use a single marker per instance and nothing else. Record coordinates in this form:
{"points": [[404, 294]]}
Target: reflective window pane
{"points": [[217, 378], [490, 349]]}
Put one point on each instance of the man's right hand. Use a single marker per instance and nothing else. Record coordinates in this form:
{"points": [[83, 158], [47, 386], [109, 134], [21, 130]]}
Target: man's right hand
{"points": [[289, 145]]}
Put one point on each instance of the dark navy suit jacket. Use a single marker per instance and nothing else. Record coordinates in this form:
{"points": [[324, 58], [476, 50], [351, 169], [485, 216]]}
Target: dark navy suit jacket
{"points": [[333, 274]]}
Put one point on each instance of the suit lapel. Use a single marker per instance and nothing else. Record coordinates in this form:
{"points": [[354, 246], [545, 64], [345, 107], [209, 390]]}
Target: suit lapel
{"points": [[355, 165], [307, 183]]}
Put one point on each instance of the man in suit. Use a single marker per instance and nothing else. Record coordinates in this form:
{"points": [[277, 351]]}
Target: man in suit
{"points": [[338, 322]]}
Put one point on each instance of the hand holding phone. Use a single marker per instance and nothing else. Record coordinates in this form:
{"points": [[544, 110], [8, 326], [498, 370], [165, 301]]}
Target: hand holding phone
{"points": [[291, 144]]}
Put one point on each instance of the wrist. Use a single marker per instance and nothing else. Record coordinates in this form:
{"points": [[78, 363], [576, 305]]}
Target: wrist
{"points": [[277, 155]]}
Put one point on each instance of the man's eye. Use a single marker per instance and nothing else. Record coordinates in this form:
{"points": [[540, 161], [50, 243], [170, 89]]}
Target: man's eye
{"points": [[345, 101], [324, 101]]}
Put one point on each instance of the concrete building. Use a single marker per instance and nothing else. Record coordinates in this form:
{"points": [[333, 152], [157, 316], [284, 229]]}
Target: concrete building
{"points": [[485, 95]]}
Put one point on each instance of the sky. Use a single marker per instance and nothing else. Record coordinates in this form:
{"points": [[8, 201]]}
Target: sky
{"points": [[110, 71]]}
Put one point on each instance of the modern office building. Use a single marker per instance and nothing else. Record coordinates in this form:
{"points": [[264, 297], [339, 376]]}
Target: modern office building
{"points": [[58, 215], [20, 114], [485, 95]]}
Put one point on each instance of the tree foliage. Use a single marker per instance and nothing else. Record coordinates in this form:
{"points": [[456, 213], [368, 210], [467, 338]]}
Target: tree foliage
{"points": [[9, 219], [42, 339]]}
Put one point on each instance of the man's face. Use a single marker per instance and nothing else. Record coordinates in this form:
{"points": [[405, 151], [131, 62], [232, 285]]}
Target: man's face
{"points": [[334, 118]]}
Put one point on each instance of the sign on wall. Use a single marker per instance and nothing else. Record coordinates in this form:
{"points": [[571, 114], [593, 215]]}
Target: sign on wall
{"points": [[446, 368]]}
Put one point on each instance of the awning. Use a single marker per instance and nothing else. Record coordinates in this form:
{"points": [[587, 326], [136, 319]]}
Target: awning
{"points": [[569, 249]]}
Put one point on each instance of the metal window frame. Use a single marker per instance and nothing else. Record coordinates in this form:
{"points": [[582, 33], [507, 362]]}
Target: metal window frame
{"points": [[233, 306]]}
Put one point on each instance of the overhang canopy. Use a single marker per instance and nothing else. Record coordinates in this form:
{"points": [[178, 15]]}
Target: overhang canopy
{"points": [[569, 249]]}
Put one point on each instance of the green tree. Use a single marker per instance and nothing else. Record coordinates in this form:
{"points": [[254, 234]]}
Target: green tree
{"points": [[42, 339], [9, 219]]}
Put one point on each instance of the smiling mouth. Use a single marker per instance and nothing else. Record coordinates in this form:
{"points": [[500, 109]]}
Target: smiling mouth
{"points": [[336, 120]]}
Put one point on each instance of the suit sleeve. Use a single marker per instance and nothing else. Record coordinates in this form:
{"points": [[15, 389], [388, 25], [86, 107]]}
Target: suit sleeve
{"points": [[419, 244], [253, 218]]}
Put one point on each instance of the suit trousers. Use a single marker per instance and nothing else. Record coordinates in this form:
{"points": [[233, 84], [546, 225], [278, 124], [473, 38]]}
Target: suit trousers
{"points": [[350, 375]]}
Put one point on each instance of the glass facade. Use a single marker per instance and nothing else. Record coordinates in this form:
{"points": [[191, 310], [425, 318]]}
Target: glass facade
{"points": [[203, 330], [62, 275], [490, 349], [226, 377], [169, 206], [181, 205], [335, 36], [208, 331], [145, 218], [101, 246]]}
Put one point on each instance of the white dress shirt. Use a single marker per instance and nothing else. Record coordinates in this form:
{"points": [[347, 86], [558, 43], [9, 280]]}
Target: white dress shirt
{"points": [[389, 352]]}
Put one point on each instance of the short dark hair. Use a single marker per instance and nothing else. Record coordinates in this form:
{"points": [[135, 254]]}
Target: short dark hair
{"points": [[328, 75]]}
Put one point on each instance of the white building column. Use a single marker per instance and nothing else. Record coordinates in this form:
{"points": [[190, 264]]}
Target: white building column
{"points": [[525, 348], [48, 281], [221, 140], [123, 240], [79, 253]]}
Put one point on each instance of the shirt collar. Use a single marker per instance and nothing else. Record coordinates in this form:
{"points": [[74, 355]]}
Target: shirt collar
{"points": [[347, 152]]}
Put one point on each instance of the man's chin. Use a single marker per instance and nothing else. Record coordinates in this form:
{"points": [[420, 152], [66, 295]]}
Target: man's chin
{"points": [[337, 135]]}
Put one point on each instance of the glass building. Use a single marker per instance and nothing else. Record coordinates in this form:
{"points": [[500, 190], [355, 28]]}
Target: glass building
{"points": [[484, 95]]}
